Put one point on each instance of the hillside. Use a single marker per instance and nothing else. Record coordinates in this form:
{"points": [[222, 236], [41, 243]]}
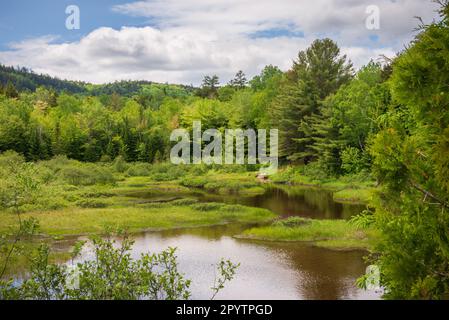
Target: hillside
{"points": [[25, 79]]}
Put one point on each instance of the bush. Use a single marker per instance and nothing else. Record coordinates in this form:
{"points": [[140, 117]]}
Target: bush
{"points": [[86, 174], [8, 157], [364, 220], [315, 170], [353, 160], [169, 172], [120, 164], [191, 182], [139, 170]]}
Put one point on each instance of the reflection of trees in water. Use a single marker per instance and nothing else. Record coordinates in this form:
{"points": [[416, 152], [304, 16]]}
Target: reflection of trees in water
{"points": [[211, 232], [322, 274], [292, 201], [325, 274], [307, 202]]}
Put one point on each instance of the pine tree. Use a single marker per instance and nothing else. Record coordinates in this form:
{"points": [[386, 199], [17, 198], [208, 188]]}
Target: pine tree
{"points": [[348, 117], [10, 90], [317, 73], [239, 81], [209, 87], [411, 160]]}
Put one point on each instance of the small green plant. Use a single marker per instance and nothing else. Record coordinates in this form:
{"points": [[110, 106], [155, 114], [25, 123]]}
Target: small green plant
{"points": [[226, 272], [22, 188], [292, 222], [364, 220], [209, 206]]}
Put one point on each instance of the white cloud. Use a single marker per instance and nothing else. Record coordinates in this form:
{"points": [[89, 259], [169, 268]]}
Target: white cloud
{"points": [[191, 38]]}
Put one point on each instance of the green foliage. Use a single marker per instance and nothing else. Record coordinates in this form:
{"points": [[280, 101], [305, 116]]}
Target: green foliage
{"points": [[239, 81], [226, 271], [318, 72], [91, 203], [292, 222], [25, 79], [86, 174], [139, 170], [111, 275], [334, 234], [43, 124], [389, 121], [209, 87], [364, 220], [353, 160], [211, 206], [410, 160]]}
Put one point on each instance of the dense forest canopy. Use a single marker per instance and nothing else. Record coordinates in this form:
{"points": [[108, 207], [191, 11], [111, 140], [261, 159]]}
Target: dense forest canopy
{"points": [[388, 121]]}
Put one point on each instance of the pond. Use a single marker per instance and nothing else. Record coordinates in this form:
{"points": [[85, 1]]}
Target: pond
{"points": [[269, 271], [289, 201]]}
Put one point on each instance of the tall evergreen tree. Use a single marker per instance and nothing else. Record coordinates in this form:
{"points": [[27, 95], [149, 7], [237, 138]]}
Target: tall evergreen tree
{"points": [[318, 72], [411, 160], [10, 90], [348, 118], [239, 81], [209, 87]]}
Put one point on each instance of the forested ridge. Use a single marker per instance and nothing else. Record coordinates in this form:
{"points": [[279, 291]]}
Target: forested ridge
{"points": [[387, 122]]}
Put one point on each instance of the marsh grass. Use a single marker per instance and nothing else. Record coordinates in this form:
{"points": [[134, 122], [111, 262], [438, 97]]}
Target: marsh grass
{"points": [[354, 195], [76, 221], [353, 189], [224, 182], [334, 234]]}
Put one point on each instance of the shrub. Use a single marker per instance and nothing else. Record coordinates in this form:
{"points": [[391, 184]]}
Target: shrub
{"points": [[139, 170], [88, 174], [353, 160], [168, 171], [191, 182], [364, 220], [315, 170], [9, 157], [120, 164]]}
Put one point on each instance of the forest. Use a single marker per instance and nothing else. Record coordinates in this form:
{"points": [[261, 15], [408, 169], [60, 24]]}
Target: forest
{"points": [[382, 131]]}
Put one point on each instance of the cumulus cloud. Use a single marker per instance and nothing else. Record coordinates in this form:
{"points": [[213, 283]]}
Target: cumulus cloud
{"points": [[190, 38]]}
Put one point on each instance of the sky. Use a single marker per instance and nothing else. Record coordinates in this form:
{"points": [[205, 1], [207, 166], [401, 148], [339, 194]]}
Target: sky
{"points": [[180, 41]]}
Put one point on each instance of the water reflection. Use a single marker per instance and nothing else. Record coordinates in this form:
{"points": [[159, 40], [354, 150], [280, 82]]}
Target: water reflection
{"points": [[292, 201], [267, 271]]}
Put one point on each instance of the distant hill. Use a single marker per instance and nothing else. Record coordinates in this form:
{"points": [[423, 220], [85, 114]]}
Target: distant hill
{"points": [[26, 80]]}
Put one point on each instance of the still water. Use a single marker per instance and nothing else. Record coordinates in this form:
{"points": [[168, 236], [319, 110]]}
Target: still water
{"points": [[289, 201], [268, 270]]}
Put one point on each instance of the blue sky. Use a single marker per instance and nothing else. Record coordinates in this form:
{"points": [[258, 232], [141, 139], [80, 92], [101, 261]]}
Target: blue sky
{"points": [[182, 40], [25, 19]]}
